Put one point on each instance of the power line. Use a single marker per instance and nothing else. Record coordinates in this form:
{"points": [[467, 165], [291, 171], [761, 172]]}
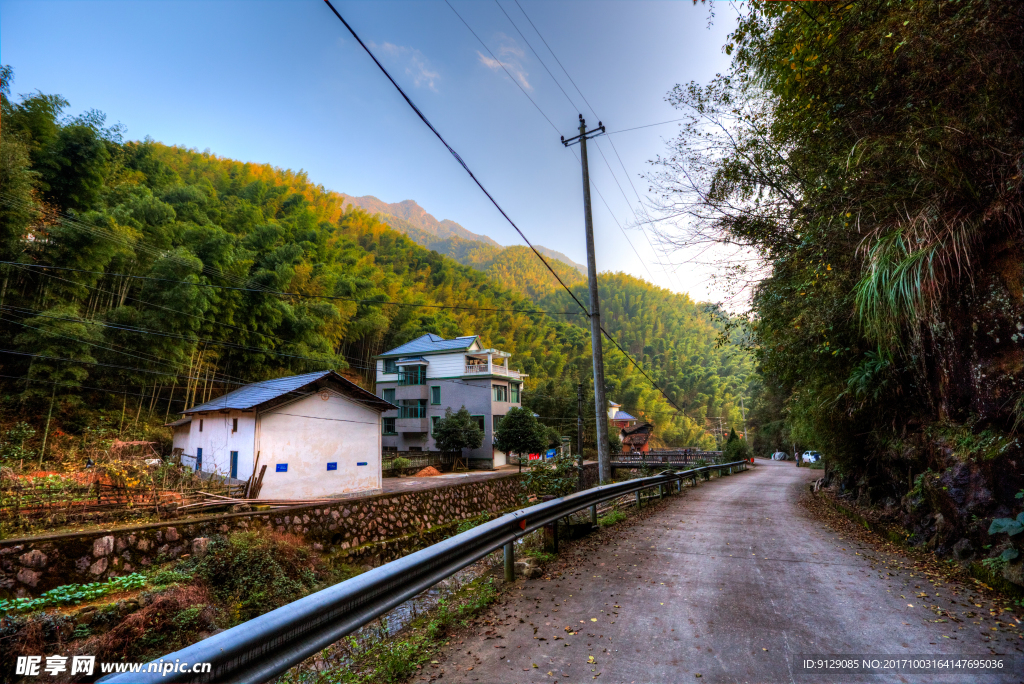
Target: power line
{"points": [[455, 154], [637, 128], [556, 57], [571, 103], [502, 65], [294, 294], [110, 365]]}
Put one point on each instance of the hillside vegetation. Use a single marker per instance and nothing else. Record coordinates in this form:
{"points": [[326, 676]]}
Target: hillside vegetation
{"points": [[871, 153], [168, 266]]}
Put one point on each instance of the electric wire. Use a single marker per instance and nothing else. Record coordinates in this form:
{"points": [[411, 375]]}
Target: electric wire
{"points": [[455, 154], [542, 63], [294, 294]]}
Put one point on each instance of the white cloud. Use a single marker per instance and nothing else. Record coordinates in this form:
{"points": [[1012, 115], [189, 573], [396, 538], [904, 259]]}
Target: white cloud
{"points": [[416, 65], [509, 57]]}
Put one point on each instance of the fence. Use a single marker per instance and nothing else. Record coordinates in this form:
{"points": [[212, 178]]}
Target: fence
{"points": [[685, 457], [417, 459], [23, 503], [263, 648]]}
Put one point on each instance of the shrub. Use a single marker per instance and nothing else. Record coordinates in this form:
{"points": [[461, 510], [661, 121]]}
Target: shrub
{"points": [[611, 518], [399, 464], [256, 573]]}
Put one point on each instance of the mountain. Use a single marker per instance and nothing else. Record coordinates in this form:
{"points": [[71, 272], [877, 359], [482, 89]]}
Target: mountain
{"points": [[445, 237]]}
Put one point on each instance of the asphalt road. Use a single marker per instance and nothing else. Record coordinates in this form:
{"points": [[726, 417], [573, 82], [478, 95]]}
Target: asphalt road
{"points": [[730, 582]]}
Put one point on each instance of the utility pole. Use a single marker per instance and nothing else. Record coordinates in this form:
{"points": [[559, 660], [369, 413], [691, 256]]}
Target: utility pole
{"points": [[579, 433], [604, 466]]}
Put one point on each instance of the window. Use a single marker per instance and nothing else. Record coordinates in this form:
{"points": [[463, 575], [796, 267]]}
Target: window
{"points": [[480, 423], [415, 448], [199, 454], [499, 392], [390, 366], [413, 408], [433, 423], [200, 424], [389, 395], [435, 395], [390, 449], [234, 464], [495, 420], [413, 375], [515, 393], [388, 425], [234, 425]]}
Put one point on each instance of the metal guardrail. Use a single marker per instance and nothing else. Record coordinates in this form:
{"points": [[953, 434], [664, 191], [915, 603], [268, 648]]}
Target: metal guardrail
{"points": [[267, 646]]}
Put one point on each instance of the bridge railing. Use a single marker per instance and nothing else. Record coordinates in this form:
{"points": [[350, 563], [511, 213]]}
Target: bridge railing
{"points": [[266, 646], [655, 458]]}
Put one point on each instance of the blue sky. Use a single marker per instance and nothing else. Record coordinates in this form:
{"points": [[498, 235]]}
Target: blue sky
{"points": [[282, 82]]}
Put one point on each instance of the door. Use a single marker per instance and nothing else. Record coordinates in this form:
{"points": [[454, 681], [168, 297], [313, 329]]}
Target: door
{"points": [[234, 464], [199, 460]]}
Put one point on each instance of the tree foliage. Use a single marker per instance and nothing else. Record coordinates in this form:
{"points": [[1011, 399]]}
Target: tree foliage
{"points": [[864, 159]]}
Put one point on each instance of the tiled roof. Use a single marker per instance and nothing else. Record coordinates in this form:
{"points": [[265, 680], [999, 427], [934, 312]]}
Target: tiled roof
{"points": [[251, 396], [431, 343], [622, 415], [180, 421], [412, 359]]}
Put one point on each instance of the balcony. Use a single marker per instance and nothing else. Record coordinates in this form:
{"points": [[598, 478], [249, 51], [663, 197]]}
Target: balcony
{"points": [[412, 377], [412, 412], [411, 393], [478, 368]]}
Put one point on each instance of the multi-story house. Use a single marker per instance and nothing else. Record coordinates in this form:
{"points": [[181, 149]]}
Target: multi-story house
{"points": [[430, 374]]}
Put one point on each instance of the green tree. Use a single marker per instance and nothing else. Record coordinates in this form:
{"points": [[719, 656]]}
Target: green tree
{"points": [[456, 432], [519, 432]]}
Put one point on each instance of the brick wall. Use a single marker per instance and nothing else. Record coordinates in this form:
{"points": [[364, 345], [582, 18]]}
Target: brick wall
{"points": [[376, 529]]}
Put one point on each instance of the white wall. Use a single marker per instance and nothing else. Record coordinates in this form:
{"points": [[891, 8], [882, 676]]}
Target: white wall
{"points": [[311, 432], [180, 438], [446, 365], [217, 442]]}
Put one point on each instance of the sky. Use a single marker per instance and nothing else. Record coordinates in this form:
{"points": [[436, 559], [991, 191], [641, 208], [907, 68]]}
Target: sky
{"points": [[283, 82]]}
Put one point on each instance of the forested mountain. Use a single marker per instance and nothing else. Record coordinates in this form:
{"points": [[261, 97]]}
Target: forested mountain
{"points": [[445, 237], [145, 274]]}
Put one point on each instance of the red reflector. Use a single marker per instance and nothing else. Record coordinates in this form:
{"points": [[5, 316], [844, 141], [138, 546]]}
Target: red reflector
{"points": [[522, 524]]}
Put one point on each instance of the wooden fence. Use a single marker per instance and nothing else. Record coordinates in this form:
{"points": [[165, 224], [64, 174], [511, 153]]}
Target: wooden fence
{"points": [[27, 502]]}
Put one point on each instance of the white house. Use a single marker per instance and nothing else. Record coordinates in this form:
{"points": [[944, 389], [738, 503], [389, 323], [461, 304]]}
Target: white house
{"points": [[318, 434]]}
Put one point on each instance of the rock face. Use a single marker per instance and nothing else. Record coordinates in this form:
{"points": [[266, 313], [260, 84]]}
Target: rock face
{"points": [[103, 546], [380, 527]]}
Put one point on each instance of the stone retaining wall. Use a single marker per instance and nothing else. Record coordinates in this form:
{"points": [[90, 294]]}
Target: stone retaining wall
{"points": [[384, 526]]}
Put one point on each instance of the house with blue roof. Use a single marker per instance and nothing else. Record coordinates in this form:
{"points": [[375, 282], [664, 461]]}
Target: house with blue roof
{"points": [[429, 374], [318, 434]]}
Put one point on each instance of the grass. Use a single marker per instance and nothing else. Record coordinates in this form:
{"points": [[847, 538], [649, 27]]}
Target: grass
{"points": [[396, 659], [73, 594], [610, 518]]}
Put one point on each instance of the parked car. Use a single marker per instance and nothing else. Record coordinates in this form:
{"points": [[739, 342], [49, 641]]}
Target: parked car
{"points": [[811, 456], [780, 456]]}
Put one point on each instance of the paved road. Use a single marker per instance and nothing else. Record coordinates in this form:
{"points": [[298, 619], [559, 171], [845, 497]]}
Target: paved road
{"points": [[724, 584]]}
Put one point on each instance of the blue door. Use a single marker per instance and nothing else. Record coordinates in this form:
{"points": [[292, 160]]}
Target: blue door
{"points": [[234, 464], [199, 460]]}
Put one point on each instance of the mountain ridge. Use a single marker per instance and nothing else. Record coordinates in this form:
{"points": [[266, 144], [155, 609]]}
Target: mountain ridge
{"points": [[444, 236]]}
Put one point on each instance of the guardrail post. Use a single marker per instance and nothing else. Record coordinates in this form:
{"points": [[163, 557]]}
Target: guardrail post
{"points": [[593, 514], [551, 537], [679, 486], [638, 498], [510, 562], [661, 491]]}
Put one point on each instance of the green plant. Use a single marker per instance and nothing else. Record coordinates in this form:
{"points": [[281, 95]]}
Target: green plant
{"points": [[71, 594], [541, 556], [165, 577], [557, 476], [469, 523], [399, 464], [610, 518], [257, 572], [397, 660]]}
